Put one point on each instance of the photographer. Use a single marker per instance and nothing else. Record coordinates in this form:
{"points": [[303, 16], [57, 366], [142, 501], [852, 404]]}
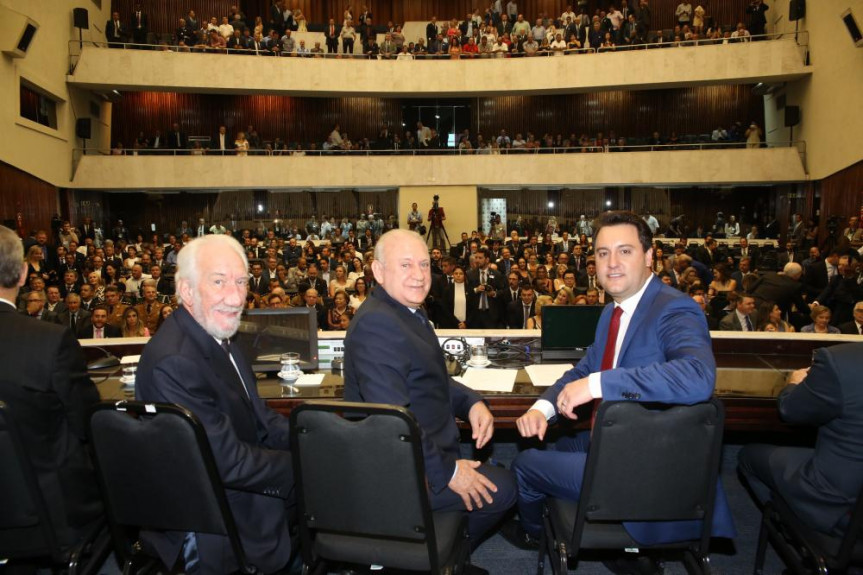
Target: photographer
{"points": [[436, 218]]}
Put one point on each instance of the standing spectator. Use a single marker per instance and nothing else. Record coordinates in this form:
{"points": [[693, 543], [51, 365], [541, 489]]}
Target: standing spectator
{"points": [[757, 19], [683, 13]]}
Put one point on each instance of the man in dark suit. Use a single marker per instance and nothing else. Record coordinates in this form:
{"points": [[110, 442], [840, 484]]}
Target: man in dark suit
{"points": [[842, 292], [73, 316], [638, 355], [518, 311], [257, 283], [140, 25], [176, 138], [392, 356], [743, 318], [98, 327], [819, 274], [34, 306], [115, 31], [855, 326], [820, 485], [588, 278], [747, 251], [185, 363], [784, 289], [483, 286], [431, 31], [48, 398], [313, 281], [332, 32]]}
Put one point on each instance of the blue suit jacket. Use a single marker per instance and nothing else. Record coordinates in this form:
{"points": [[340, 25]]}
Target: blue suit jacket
{"points": [[391, 357], [666, 357], [183, 364]]}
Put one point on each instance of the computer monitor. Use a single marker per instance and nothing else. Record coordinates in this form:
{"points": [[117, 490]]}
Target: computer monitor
{"points": [[265, 334], [568, 330]]}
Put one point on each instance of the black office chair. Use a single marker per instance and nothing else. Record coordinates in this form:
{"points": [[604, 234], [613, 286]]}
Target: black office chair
{"points": [[804, 550], [156, 470], [646, 462], [26, 531], [361, 491]]}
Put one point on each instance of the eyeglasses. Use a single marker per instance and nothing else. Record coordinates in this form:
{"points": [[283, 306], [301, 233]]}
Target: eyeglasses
{"points": [[34, 300]]}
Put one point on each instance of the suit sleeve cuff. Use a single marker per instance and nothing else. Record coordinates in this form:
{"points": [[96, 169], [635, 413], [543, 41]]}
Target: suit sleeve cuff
{"points": [[545, 407], [594, 384], [454, 472]]}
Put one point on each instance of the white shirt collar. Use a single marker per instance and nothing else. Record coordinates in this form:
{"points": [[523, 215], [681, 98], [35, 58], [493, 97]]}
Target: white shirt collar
{"points": [[630, 304], [9, 302]]}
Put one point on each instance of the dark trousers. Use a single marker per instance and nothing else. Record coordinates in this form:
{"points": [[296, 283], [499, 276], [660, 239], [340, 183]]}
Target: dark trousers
{"points": [[481, 520], [347, 46], [332, 45]]}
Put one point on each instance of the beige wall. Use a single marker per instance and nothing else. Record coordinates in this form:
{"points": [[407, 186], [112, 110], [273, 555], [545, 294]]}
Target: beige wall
{"points": [[830, 99], [738, 166], [459, 204], [169, 71], [33, 148]]}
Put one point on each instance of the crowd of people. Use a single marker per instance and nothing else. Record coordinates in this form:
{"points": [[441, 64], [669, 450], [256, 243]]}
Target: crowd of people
{"points": [[113, 284], [426, 140], [497, 32]]}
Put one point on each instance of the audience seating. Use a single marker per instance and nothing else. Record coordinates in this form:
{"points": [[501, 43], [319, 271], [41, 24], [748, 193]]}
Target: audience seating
{"points": [[633, 474], [26, 531], [362, 493], [156, 469]]}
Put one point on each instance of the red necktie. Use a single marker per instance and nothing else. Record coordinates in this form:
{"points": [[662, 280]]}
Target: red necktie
{"points": [[608, 354]]}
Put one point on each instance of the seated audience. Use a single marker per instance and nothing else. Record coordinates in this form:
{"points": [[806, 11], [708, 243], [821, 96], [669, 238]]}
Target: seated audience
{"points": [[820, 315]]}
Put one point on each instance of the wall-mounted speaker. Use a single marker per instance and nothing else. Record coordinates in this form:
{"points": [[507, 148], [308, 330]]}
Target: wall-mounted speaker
{"points": [[797, 10], [16, 32], [853, 28], [792, 116], [83, 128], [81, 18]]}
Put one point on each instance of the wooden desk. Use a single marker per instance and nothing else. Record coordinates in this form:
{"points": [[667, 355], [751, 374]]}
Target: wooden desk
{"points": [[750, 376]]}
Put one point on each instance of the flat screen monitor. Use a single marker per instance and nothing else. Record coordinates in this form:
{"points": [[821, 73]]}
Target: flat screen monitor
{"points": [[265, 334], [568, 330]]}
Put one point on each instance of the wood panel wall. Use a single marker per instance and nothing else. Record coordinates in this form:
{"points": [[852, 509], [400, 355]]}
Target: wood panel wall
{"points": [[35, 200], [694, 110], [163, 14], [293, 119], [841, 196]]}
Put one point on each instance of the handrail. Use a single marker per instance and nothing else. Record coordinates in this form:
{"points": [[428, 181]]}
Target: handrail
{"points": [[201, 49], [316, 152]]}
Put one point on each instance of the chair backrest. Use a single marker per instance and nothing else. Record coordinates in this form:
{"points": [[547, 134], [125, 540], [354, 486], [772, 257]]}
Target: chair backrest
{"points": [[25, 527], [362, 477], [156, 470], [853, 536], [650, 462]]}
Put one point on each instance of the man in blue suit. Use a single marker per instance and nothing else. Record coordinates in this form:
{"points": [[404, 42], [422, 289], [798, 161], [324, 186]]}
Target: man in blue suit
{"points": [[392, 356], [652, 345], [821, 484]]}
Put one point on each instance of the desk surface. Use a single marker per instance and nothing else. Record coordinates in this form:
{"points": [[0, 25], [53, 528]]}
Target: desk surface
{"points": [[751, 374]]}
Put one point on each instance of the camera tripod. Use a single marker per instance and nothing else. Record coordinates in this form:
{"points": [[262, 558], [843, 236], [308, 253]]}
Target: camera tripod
{"points": [[436, 227]]}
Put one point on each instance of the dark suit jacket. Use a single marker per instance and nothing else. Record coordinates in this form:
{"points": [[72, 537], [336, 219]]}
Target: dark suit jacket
{"points": [[515, 314], [781, 290], [183, 364], [390, 357], [87, 331], [45, 384], [263, 285], [732, 323], [815, 279], [666, 356], [83, 319], [821, 485], [850, 328], [319, 285], [109, 32]]}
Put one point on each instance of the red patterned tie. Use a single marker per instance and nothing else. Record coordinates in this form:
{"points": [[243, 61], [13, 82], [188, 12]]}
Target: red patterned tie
{"points": [[608, 354]]}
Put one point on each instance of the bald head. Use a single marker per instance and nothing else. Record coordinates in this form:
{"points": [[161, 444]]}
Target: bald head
{"points": [[793, 270]]}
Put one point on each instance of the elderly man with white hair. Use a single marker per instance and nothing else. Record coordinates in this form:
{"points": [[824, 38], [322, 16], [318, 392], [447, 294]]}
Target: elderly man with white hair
{"points": [[191, 361]]}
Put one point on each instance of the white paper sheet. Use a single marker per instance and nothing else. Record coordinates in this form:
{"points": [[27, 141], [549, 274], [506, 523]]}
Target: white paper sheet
{"points": [[498, 380], [545, 374], [130, 359], [309, 380]]}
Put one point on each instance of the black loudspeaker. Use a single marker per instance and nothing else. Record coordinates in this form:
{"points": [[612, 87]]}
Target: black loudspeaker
{"points": [[797, 9], [83, 125], [82, 18], [792, 116], [853, 28]]}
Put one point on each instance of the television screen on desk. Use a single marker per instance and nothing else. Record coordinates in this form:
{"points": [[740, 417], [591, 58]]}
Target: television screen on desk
{"points": [[265, 334], [568, 330]]}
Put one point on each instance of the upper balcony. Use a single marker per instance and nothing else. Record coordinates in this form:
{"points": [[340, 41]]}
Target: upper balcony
{"points": [[776, 59], [635, 165]]}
